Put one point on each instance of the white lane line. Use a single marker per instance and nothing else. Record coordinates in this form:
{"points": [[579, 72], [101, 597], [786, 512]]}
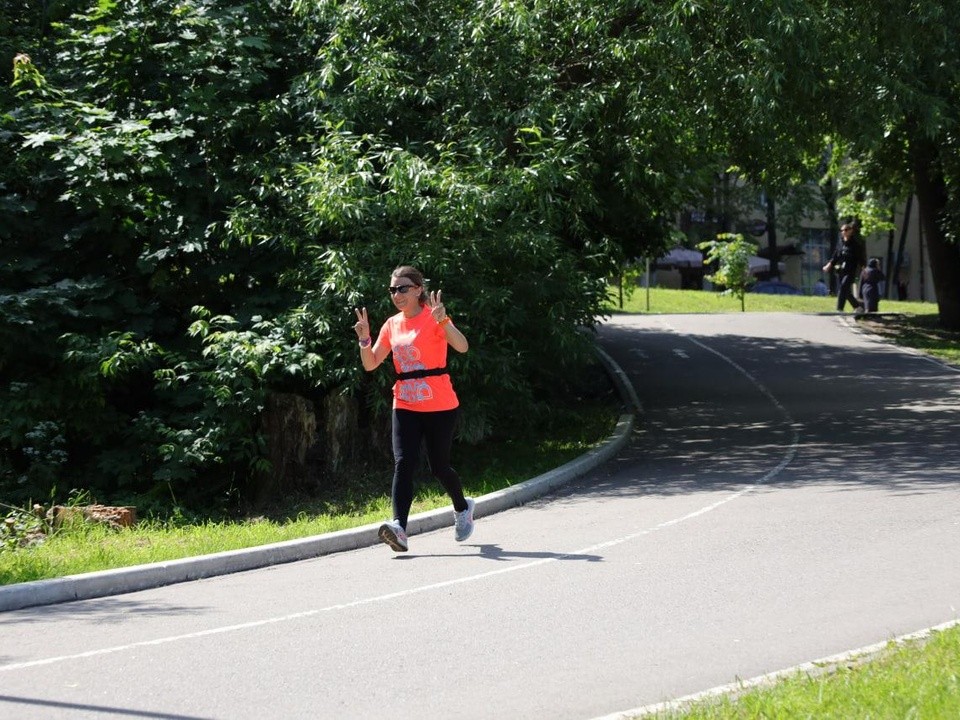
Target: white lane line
{"points": [[827, 664], [681, 353], [759, 385], [380, 598], [788, 457]]}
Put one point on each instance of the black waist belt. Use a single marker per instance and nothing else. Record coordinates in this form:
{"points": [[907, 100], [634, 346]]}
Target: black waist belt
{"points": [[416, 374]]}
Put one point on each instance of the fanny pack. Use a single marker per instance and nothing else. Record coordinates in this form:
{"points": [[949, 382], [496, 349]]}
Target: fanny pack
{"points": [[417, 374]]}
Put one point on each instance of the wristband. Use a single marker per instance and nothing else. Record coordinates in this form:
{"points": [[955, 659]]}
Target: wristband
{"points": [[445, 320], [366, 342]]}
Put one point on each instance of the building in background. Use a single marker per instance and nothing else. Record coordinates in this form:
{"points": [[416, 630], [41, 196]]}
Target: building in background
{"points": [[805, 247]]}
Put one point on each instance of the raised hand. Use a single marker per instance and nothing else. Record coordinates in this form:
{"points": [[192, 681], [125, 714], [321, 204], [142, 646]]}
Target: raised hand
{"points": [[435, 303], [362, 326]]}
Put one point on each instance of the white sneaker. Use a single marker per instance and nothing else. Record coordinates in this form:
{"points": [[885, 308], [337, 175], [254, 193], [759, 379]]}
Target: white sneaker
{"points": [[393, 535], [463, 521]]}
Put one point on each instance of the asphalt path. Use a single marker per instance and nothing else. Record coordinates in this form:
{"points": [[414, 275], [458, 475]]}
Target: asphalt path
{"points": [[791, 491]]}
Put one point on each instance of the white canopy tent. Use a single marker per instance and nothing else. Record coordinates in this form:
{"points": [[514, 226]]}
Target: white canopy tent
{"points": [[761, 265]]}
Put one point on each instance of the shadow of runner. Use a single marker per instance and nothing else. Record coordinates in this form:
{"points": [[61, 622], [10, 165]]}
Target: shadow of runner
{"points": [[492, 551], [120, 712]]}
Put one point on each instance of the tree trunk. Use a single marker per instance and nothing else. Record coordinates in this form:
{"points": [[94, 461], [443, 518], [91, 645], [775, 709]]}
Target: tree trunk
{"points": [[944, 255], [340, 432], [726, 213], [888, 262], [901, 248], [289, 425], [828, 192], [772, 236]]}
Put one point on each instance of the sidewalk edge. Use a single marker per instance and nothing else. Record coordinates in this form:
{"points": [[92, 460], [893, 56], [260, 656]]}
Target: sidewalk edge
{"points": [[152, 575]]}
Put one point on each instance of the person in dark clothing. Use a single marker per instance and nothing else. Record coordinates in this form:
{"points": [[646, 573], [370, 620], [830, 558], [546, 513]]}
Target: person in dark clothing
{"points": [[870, 280], [845, 262]]}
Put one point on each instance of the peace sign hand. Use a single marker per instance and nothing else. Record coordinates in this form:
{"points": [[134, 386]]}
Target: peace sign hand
{"points": [[362, 326], [436, 306]]}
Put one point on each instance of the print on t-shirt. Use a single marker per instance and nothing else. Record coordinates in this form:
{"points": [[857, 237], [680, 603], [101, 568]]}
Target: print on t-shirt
{"points": [[418, 343], [407, 358]]}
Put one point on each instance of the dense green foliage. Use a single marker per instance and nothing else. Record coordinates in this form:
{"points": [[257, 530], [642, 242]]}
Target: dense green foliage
{"points": [[126, 150], [194, 195]]}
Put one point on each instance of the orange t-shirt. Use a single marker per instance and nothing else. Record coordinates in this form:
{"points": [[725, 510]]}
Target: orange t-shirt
{"points": [[419, 343]]}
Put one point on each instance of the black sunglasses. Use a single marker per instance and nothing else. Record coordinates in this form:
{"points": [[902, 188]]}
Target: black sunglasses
{"points": [[402, 289]]}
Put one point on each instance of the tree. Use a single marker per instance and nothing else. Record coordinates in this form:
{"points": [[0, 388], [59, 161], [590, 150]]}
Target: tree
{"points": [[907, 99], [131, 130], [197, 195], [780, 81], [731, 253]]}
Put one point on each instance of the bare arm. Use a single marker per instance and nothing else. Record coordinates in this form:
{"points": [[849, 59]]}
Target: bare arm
{"points": [[371, 355], [455, 338]]}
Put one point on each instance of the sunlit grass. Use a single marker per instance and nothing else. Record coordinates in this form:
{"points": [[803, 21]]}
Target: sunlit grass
{"points": [[484, 469], [912, 680], [667, 301], [920, 332], [97, 547], [911, 324]]}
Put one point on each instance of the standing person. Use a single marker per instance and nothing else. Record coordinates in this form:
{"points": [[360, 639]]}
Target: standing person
{"points": [[870, 280], [425, 406], [845, 262], [902, 286]]}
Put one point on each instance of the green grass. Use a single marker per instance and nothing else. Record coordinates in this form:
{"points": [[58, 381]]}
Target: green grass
{"points": [[666, 301], [492, 466], [916, 679], [911, 324], [920, 332]]}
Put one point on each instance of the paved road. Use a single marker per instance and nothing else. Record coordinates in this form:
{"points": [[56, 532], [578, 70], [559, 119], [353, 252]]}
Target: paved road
{"points": [[792, 491]]}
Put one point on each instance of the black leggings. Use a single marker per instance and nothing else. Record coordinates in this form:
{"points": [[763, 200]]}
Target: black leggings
{"points": [[845, 293], [409, 429]]}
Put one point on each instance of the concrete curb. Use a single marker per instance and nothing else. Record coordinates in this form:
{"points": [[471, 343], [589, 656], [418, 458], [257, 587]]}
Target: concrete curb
{"points": [[143, 577]]}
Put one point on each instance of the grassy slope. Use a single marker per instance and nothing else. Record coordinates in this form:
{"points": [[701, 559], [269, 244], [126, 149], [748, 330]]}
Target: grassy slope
{"points": [[689, 301], [491, 466]]}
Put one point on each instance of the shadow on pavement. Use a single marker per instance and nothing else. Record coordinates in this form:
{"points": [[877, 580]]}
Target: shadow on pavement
{"points": [[860, 415], [100, 709], [113, 609], [495, 552]]}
